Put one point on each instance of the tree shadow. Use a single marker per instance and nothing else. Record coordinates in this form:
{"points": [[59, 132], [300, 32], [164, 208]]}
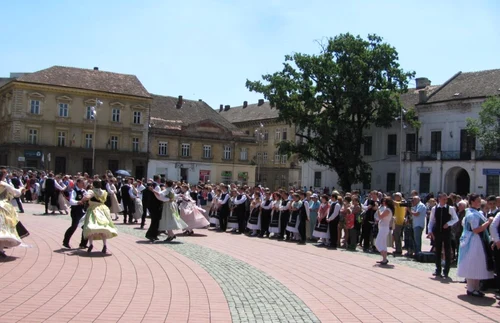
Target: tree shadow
{"points": [[478, 301]]}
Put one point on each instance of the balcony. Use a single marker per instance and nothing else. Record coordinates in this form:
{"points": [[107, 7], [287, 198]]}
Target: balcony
{"points": [[483, 155], [456, 155], [426, 155]]}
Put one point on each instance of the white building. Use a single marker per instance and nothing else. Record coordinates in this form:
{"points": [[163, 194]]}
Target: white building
{"points": [[440, 156]]}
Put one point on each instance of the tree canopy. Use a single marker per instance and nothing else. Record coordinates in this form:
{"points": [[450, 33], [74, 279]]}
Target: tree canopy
{"points": [[333, 96], [487, 127]]}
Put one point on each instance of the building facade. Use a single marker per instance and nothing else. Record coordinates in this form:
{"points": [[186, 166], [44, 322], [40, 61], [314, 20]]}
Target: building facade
{"points": [[448, 158], [48, 121], [190, 141], [260, 120]]}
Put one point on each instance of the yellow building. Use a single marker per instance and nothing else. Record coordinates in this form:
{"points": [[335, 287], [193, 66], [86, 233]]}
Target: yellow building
{"points": [[47, 121], [190, 141], [261, 121]]}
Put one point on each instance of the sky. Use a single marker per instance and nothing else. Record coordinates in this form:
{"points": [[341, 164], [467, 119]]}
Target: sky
{"points": [[207, 49]]}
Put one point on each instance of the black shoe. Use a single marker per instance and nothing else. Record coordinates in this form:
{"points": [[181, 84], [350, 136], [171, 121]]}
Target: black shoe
{"points": [[383, 263], [436, 274], [89, 250], [2, 254], [82, 246], [104, 250], [445, 276], [475, 293], [66, 245]]}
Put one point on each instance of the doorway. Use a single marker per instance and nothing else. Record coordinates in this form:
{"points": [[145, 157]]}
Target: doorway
{"points": [[60, 165], [139, 172], [184, 174], [463, 183], [457, 180]]}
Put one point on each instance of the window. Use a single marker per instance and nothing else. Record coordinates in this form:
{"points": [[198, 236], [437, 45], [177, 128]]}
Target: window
{"points": [[284, 133], [391, 182], [367, 181], [411, 144], [135, 144], [33, 136], [63, 110], [284, 158], [492, 185], [114, 143], [61, 139], [244, 154], [277, 135], [259, 157], [88, 113], [276, 158], [467, 142], [137, 117], [424, 185], [317, 179], [115, 116], [435, 141], [88, 140], [367, 147], [227, 152], [264, 158], [35, 107], [163, 148], [392, 141], [185, 150], [266, 135], [207, 151]]}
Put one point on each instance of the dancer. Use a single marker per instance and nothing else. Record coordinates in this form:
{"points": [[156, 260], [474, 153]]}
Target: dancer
{"points": [[321, 229], [9, 237], [214, 210], [112, 191], [154, 207], [191, 213], [239, 209], [293, 223], [254, 220], [77, 213], [274, 224], [98, 223], [170, 218], [232, 219]]}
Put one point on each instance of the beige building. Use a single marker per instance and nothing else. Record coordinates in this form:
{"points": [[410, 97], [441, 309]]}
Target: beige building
{"points": [[47, 121], [190, 141], [260, 120]]}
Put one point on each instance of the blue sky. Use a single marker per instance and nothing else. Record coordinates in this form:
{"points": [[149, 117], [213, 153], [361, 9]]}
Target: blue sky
{"points": [[207, 49]]}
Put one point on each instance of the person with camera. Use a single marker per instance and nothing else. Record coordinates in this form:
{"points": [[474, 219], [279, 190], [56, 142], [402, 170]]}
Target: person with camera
{"points": [[399, 221]]}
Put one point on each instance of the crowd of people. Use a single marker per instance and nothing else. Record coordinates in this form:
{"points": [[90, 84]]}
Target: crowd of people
{"points": [[462, 229]]}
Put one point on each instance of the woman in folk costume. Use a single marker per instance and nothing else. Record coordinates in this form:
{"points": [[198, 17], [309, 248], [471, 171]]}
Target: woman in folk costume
{"points": [[60, 204], [214, 210], [232, 219], [98, 224], [170, 218], [293, 224], [274, 224], [475, 262], [254, 220], [321, 229], [137, 215], [9, 236], [191, 213], [112, 192]]}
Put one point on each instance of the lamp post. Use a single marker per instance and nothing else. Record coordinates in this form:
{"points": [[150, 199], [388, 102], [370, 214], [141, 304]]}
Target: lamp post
{"points": [[94, 116], [402, 112], [260, 139]]}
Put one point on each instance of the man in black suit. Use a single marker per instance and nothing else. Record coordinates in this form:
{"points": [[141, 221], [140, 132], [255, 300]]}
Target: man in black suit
{"points": [[77, 213], [17, 183], [50, 186], [128, 201], [155, 207]]}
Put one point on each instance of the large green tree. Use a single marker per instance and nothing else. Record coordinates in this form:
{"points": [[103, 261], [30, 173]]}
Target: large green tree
{"points": [[332, 97], [486, 128]]}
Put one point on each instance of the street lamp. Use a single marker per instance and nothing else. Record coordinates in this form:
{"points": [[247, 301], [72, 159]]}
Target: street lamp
{"points": [[94, 116], [260, 140], [402, 112]]}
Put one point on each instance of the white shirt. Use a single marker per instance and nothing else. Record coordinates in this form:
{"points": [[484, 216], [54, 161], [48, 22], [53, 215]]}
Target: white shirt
{"points": [[242, 200], [494, 228], [267, 207], [335, 212], [72, 197], [224, 201], [432, 220]]}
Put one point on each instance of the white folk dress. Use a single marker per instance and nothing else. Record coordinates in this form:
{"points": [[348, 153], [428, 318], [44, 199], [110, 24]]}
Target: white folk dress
{"points": [[384, 229]]}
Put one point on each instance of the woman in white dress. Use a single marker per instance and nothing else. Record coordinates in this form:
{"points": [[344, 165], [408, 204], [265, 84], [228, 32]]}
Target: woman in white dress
{"points": [[170, 218], [385, 213], [62, 203], [214, 210], [9, 237], [191, 213], [137, 201], [254, 220], [112, 191], [474, 262], [274, 224]]}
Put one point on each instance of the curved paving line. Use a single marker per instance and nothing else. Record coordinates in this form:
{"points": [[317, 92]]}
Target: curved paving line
{"points": [[252, 295]]}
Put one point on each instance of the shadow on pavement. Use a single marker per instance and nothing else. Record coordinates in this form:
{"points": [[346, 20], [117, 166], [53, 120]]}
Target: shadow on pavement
{"points": [[479, 301], [158, 242], [8, 259]]}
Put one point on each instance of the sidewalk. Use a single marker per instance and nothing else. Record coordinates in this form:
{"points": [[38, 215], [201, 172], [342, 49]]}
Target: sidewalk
{"points": [[216, 277]]}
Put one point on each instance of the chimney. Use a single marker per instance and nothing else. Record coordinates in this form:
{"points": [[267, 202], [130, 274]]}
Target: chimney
{"points": [[221, 107], [422, 96], [422, 82], [227, 107], [96, 68], [180, 102], [200, 100], [261, 102], [245, 104]]}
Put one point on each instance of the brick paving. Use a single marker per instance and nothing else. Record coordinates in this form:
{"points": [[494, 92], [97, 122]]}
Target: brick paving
{"points": [[217, 278]]}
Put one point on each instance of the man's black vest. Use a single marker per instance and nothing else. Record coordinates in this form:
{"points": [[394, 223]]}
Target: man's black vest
{"points": [[78, 197], [240, 208], [225, 207], [50, 186], [125, 195], [267, 211], [441, 215]]}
